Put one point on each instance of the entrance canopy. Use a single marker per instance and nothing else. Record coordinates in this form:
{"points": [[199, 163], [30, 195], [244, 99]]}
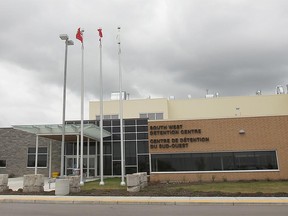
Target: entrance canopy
{"points": [[54, 131]]}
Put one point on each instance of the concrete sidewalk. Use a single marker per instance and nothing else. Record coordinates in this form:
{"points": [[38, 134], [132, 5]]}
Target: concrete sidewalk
{"points": [[144, 200]]}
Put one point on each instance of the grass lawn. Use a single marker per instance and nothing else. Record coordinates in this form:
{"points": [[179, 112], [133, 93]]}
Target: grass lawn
{"points": [[110, 184], [265, 187], [240, 187]]}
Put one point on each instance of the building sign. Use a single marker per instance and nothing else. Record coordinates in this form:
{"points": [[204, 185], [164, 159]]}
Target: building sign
{"points": [[160, 136]]}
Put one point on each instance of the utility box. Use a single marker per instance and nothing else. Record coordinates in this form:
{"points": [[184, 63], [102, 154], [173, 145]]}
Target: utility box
{"points": [[62, 187]]}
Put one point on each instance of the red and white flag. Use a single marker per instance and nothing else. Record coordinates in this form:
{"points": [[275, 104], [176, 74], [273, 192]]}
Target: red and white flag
{"points": [[79, 35]]}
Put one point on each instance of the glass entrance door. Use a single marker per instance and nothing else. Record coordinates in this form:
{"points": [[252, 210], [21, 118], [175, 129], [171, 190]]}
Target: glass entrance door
{"points": [[70, 165], [88, 166]]}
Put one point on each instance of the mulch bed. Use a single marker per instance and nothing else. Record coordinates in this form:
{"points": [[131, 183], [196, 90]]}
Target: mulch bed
{"points": [[153, 190]]}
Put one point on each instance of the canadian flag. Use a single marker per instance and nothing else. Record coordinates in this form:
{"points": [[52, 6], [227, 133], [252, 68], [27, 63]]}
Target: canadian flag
{"points": [[79, 35], [100, 32]]}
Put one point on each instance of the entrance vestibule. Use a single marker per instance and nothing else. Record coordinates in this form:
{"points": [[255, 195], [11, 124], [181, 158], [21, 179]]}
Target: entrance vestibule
{"points": [[72, 158]]}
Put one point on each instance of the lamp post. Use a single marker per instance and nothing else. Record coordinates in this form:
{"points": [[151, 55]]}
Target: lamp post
{"points": [[68, 42]]}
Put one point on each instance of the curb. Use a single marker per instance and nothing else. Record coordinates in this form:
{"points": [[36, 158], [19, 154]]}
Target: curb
{"points": [[145, 200]]}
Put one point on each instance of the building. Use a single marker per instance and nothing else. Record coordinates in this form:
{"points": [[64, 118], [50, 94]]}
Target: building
{"points": [[212, 139], [202, 108], [207, 139], [219, 149]]}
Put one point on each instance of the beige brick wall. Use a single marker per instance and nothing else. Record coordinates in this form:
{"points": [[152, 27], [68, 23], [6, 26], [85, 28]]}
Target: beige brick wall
{"points": [[197, 108], [261, 133]]}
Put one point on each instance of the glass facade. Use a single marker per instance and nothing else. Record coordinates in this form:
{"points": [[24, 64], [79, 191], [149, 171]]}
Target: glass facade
{"points": [[136, 151], [220, 161], [135, 133]]}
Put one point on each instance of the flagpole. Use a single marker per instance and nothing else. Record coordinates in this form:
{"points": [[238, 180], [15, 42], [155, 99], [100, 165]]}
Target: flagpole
{"points": [[82, 112], [101, 116], [121, 113]]}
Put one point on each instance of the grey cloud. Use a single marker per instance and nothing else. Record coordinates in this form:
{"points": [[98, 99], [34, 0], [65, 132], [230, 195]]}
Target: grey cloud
{"points": [[168, 47]]}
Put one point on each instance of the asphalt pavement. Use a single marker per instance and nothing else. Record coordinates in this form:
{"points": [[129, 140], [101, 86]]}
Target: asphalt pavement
{"points": [[16, 183]]}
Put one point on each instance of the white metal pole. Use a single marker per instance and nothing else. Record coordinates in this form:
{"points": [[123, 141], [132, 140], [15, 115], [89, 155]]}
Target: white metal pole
{"points": [[88, 156], [121, 113], [82, 113], [50, 163], [50, 159], [96, 158], [77, 153], [101, 118], [36, 154]]}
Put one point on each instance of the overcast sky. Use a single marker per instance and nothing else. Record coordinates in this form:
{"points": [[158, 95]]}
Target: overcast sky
{"points": [[169, 48]]}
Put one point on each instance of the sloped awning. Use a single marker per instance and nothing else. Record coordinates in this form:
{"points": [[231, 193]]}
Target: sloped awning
{"points": [[54, 131]]}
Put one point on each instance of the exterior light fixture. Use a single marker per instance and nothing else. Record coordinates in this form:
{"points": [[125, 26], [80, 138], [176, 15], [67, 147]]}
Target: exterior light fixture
{"points": [[64, 36], [241, 131]]}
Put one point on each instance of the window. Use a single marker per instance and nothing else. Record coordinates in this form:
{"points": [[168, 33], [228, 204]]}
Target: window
{"points": [[106, 123], [130, 122], [116, 129], [254, 160], [143, 115], [2, 163], [130, 153], [92, 148], [159, 116], [142, 129], [116, 167], [108, 117], [152, 116], [107, 148], [107, 165], [143, 163], [130, 129], [109, 129], [142, 122], [130, 136], [42, 157], [116, 151], [115, 122], [141, 136], [142, 146], [131, 170], [69, 148]]}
